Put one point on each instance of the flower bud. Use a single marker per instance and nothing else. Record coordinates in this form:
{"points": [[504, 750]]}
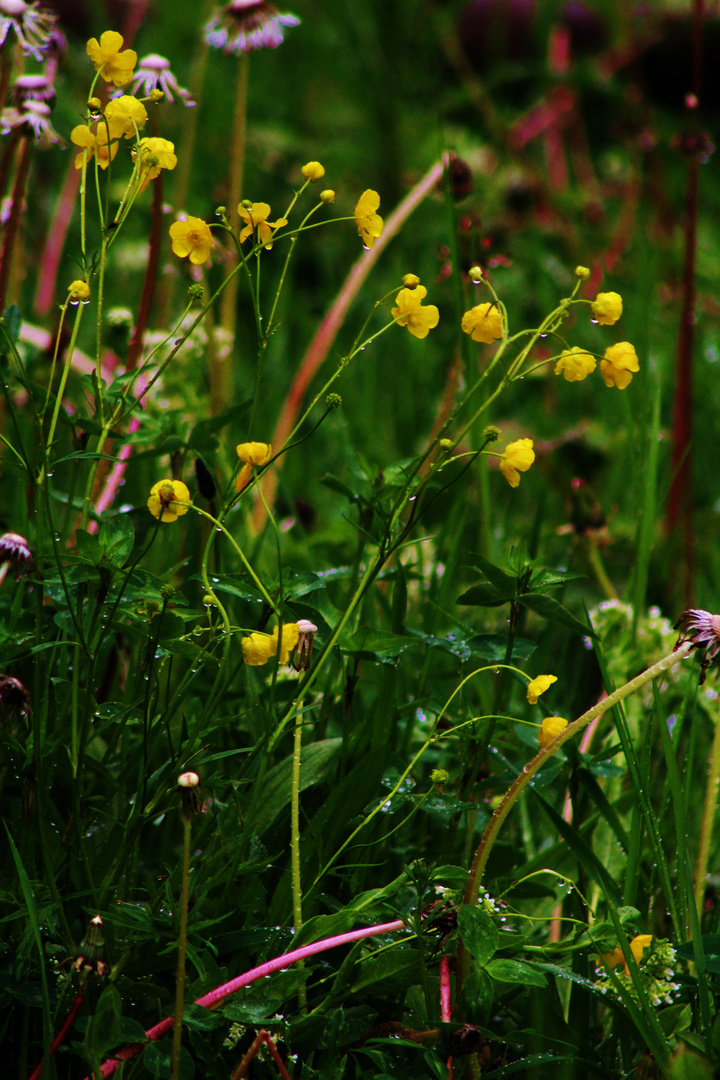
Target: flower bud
{"points": [[313, 171], [582, 272], [333, 401], [189, 789], [411, 281], [475, 274], [79, 292], [327, 196]]}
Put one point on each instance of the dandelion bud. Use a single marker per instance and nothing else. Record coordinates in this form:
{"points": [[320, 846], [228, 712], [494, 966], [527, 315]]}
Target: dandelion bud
{"points": [[475, 274], [333, 401], [582, 272], [301, 654], [189, 789], [89, 955], [327, 196], [313, 171]]}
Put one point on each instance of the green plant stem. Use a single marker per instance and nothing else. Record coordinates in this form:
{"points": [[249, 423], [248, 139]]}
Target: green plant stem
{"points": [[182, 950], [711, 799], [228, 310], [531, 768], [295, 842], [64, 377]]}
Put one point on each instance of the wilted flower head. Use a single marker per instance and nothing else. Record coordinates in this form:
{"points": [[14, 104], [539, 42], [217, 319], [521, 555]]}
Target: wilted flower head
{"points": [[244, 25], [32, 88], [301, 654], [154, 73], [15, 552], [33, 97], [189, 788], [32, 24], [703, 630]]}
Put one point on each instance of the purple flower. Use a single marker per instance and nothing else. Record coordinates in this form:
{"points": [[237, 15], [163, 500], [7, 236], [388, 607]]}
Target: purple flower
{"points": [[244, 25]]}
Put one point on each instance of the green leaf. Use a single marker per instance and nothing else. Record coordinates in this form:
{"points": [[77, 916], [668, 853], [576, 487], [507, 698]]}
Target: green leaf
{"points": [[512, 971], [322, 926], [485, 595], [375, 644], [156, 1059], [476, 999], [103, 1032], [503, 580], [554, 612], [202, 437], [478, 932], [315, 761], [117, 537], [89, 546]]}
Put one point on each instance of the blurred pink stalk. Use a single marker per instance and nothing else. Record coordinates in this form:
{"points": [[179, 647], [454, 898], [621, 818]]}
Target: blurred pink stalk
{"points": [[221, 992], [328, 330]]}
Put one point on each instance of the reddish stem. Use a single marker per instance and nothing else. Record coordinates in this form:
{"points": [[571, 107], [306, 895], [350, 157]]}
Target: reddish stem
{"points": [[69, 1021], [445, 1006], [262, 1036], [13, 225], [214, 998], [148, 292], [52, 252]]}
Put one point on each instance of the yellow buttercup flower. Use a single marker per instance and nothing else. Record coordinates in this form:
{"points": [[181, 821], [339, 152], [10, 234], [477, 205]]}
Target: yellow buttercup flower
{"points": [[290, 635], [538, 686], [169, 500], [254, 453], [370, 224], [518, 457], [483, 323], [153, 155], [607, 308], [313, 171], [125, 116], [409, 311], [259, 648], [113, 65], [575, 364], [192, 239], [618, 365], [637, 947], [550, 728], [93, 143], [255, 217], [79, 292]]}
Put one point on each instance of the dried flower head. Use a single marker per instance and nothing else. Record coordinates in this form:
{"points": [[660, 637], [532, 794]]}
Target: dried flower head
{"points": [[14, 699], [34, 119], [244, 25], [31, 23], [703, 630], [189, 788], [154, 73], [301, 654], [15, 550]]}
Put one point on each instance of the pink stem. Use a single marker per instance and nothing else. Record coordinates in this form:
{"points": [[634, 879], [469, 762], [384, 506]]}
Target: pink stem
{"points": [[52, 252], [69, 1021], [208, 1001], [445, 1006], [322, 342]]}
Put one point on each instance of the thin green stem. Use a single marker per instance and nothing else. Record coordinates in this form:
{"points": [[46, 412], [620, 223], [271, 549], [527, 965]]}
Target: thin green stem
{"points": [[182, 950], [706, 827]]}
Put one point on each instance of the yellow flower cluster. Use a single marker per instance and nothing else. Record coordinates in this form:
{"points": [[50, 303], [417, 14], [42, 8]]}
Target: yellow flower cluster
{"points": [[259, 648], [619, 362]]}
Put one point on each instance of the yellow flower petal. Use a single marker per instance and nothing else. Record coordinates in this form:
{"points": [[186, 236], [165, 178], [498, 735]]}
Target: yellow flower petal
{"points": [[369, 223], [518, 457], [550, 728], [483, 323], [538, 686], [575, 364], [166, 499], [607, 308]]}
